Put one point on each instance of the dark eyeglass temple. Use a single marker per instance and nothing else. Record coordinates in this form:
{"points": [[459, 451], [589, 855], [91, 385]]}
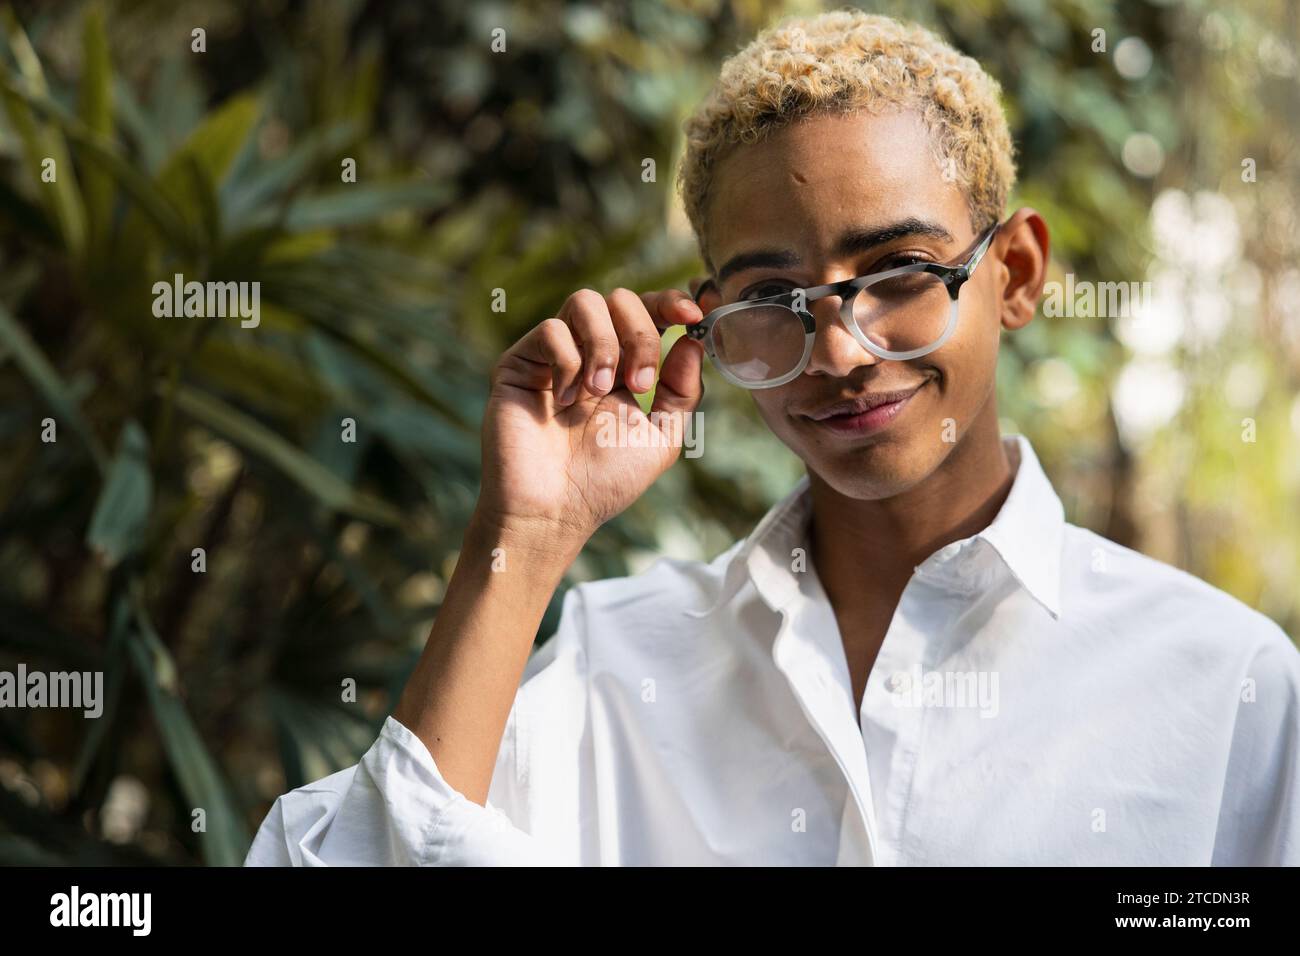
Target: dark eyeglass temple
{"points": [[983, 248], [698, 330]]}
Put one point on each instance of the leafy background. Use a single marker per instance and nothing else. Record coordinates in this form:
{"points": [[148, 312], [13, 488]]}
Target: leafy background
{"points": [[519, 171]]}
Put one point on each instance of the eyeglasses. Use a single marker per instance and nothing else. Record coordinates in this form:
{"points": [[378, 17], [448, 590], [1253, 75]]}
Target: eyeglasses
{"points": [[897, 314]]}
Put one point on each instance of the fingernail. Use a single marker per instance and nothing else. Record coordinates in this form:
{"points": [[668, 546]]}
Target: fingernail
{"points": [[569, 395], [604, 379], [645, 378]]}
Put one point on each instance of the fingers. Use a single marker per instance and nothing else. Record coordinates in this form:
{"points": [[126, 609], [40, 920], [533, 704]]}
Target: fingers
{"points": [[638, 336], [546, 356], [597, 339], [681, 383], [587, 314], [671, 307], [616, 334]]}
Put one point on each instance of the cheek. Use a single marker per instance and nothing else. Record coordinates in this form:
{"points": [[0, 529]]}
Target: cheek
{"points": [[771, 404], [968, 361]]}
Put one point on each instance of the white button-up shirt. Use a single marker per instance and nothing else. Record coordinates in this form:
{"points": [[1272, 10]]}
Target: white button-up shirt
{"points": [[1042, 696]]}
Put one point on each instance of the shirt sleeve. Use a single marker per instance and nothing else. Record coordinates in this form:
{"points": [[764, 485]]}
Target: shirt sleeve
{"points": [[1259, 816], [394, 808]]}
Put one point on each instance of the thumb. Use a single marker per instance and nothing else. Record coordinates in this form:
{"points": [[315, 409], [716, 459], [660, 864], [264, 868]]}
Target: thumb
{"points": [[681, 382]]}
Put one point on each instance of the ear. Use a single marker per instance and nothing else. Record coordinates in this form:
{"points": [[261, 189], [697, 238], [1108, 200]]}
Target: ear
{"points": [[1023, 248], [709, 297]]}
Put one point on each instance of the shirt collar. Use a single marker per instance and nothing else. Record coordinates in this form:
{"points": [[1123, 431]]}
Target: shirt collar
{"points": [[1027, 535], [1029, 530]]}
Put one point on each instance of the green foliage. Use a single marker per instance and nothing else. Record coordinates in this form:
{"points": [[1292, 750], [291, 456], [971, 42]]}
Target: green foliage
{"points": [[336, 340]]}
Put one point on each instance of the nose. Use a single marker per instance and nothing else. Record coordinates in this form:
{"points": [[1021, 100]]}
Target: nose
{"points": [[835, 351]]}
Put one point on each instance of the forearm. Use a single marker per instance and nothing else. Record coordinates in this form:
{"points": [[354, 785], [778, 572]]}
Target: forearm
{"points": [[458, 698]]}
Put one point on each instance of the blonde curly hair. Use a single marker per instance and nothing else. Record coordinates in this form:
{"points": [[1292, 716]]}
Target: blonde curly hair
{"points": [[843, 61]]}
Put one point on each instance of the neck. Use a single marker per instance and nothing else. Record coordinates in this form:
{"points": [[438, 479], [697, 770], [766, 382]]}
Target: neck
{"points": [[874, 545]]}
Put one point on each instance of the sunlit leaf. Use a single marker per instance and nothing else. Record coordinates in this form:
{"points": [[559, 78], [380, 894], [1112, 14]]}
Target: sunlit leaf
{"points": [[191, 175], [41, 141], [97, 115], [148, 198]]}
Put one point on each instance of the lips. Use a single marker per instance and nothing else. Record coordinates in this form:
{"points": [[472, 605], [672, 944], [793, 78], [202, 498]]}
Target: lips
{"points": [[861, 404], [864, 416]]}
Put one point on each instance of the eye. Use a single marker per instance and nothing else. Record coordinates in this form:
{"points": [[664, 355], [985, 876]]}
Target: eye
{"points": [[898, 260], [765, 289]]}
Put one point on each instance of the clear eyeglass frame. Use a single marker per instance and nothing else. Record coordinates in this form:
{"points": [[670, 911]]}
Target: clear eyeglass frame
{"points": [[953, 276]]}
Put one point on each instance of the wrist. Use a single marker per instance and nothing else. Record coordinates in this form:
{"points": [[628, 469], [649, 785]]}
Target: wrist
{"points": [[533, 539]]}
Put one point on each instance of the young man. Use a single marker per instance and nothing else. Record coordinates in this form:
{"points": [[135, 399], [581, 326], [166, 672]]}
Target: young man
{"points": [[913, 659]]}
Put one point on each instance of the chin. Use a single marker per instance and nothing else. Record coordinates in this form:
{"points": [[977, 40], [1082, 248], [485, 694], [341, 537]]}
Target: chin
{"points": [[870, 471], [865, 485]]}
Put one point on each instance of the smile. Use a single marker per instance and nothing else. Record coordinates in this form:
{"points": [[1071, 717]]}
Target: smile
{"points": [[868, 422]]}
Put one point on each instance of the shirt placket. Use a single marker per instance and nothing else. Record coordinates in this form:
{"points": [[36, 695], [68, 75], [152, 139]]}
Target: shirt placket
{"points": [[893, 711], [823, 704]]}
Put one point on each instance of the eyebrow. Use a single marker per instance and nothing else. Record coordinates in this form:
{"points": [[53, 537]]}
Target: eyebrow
{"points": [[851, 243]]}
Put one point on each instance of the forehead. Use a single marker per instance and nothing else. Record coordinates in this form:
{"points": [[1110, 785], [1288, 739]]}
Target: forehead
{"points": [[804, 184]]}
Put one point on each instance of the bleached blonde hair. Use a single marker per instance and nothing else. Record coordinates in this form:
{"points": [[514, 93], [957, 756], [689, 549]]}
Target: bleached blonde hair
{"points": [[843, 61]]}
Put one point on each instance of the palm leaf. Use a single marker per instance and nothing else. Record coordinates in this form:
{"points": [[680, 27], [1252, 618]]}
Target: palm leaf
{"points": [[319, 481], [97, 115], [225, 839], [49, 383], [42, 142]]}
